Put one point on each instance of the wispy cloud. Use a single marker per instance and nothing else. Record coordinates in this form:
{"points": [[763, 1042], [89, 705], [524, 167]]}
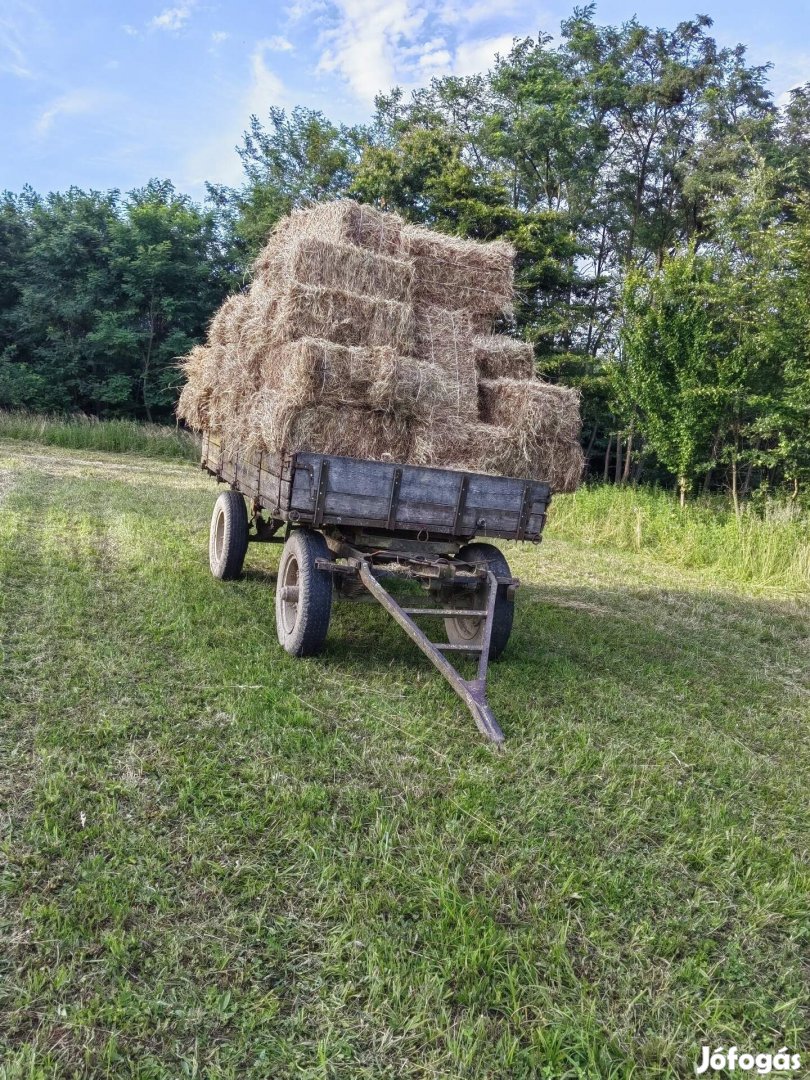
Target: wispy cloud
{"points": [[311, 10], [266, 88], [277, 43], [19, 21], [73, 103], [474, 56], [173, 18], [219, 36], [214, 158], [130, 31], [368, 45]]}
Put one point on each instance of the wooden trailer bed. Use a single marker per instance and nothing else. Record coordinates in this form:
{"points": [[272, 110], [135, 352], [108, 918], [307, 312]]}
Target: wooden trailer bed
{"points": [[323, 490]]}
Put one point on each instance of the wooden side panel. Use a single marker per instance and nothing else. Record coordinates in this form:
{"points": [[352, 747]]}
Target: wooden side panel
{"points": [[263, 477], [384, 495], [361, 493]]}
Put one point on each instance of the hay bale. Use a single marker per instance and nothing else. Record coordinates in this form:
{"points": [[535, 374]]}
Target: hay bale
{"points": [[444, 339], [539, 410], [471, 446], [342, 317], [559, 462], [497, 356], [313, 261], [342, 221], [226, 325], [455, 273], [313, 371], [500, 451], [279, 425], [193, 404]]}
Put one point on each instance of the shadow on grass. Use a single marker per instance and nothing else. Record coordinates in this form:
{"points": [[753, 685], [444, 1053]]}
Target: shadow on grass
{"points": [[686, 652]]}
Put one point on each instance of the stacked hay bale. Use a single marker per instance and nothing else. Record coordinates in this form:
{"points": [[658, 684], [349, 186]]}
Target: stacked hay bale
{"points": [[366, 337]]}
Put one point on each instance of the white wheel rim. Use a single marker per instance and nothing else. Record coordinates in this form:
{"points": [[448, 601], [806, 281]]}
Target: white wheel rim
{"points": [[219, 536], [289, 608]]}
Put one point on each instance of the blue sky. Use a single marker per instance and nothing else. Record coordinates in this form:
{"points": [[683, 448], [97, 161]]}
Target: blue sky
{"points": [[109, 95]]}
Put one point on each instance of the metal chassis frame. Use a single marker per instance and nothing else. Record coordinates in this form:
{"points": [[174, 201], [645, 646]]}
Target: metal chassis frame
{"points": [[359, 564]]}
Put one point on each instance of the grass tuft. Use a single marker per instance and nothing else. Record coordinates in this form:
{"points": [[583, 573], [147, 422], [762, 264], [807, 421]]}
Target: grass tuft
{"points": [[768, 547], [82, 432]]}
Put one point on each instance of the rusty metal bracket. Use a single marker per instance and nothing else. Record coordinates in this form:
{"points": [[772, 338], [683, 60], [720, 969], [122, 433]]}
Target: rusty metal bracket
{"points": [[525, 511], [393, 501], [320, 495], [461, 504]]}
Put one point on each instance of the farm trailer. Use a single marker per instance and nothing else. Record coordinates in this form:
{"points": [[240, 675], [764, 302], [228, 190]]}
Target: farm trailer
{"points": [[348, 526]]}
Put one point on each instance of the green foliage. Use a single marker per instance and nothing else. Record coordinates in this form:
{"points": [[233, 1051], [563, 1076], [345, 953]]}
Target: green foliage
{"points": [[670, 373], [106, 295], [716, 361]]}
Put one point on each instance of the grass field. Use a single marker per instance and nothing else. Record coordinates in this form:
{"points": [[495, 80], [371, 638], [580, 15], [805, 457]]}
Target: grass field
{"points": [[222, 862]]}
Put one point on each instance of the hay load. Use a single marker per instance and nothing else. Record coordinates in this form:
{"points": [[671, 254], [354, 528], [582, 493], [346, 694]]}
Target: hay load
{"points": [[460, 274], [365, 337], [317, 372], [497, 356]]}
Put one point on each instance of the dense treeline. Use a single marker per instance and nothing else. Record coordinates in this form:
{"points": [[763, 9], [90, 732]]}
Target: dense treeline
{"points": [[656, 195]]}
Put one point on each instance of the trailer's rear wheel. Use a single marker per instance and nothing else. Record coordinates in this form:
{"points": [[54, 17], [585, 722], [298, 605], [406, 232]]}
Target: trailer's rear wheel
{"points": [[303, 594], [228, 539], [468, 629]]}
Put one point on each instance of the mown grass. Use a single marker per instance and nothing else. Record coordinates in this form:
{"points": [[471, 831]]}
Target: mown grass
{"points": [[87, 433], [766, 546], [222, 862]]}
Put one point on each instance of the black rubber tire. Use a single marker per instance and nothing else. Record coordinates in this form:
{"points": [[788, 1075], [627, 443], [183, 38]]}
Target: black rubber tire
{"points": [[228, 538], [468, 630], [302, 627]]}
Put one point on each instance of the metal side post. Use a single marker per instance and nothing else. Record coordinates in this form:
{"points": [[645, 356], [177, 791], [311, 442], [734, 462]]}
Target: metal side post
{"points": [[472, 691]]}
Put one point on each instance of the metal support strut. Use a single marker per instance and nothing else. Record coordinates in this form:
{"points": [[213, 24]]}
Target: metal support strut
{"points": [[472, 691]]}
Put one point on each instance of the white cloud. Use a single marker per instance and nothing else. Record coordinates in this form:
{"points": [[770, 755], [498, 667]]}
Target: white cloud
{"points": [[455, 13], [312, 10], [74, 103], [265, 88], [376, 44], [219, 36], [173, 18], [277, 43], [474, 56], [130, 31], [371, 44]]}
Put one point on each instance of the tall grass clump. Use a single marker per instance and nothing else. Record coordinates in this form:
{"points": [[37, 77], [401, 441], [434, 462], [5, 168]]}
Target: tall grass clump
{"points": [[81, 432], [767, 546]]}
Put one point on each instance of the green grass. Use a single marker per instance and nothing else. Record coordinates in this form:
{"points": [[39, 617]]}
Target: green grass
{"points": [[767, 547], [223, 862], [109, 436]]}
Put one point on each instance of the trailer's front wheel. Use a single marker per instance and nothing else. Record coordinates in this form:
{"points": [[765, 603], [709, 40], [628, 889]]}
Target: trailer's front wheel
{"points": [[303, 594], [469, 629], [228, 539]]}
